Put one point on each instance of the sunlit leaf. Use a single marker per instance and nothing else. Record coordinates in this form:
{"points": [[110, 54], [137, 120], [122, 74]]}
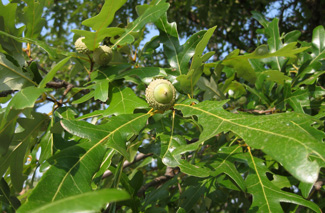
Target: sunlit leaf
{"points": [[49, 76], [266, 196], [114, 134], [150, 15], [124, 101], [269, 133], [71, 173]]}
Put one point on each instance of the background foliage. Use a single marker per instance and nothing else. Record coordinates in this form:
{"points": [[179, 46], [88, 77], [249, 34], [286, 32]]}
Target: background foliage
{"points": [[246, 132]]}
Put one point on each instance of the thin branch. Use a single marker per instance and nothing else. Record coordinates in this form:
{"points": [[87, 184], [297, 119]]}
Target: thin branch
{"points": [[137, 158], [170, 173]]}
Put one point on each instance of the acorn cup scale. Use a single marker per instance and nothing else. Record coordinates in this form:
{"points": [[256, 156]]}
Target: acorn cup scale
{"points": [[160, 94], [81, 46], [102, 55]]}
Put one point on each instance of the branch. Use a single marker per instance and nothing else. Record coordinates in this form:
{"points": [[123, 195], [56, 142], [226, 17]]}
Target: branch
{"points": [[170, 173], [7, 92], [137, 158]]}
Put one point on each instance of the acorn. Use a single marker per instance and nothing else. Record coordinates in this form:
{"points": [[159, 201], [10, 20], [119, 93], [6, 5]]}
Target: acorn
{"points": [[160, 94], [262, 50], [102, 55], [81, 46]]}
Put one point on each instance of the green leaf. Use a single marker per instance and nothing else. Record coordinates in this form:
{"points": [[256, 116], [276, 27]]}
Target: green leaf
{"points": [[50, 50], [92, 39], [189, 80], [146, 74], [6, 197], [32, 18], [70, 174], [150, 15], [270, 133], [225, 164], [318, 40], [85, 97], [90, 201], [165, 26], [191, 196], [124, 101], [260, 18], [292, 36], [106, 15], [115, 133], [274, 76], [101, 90], [25, 139], [8, 25], [49, 76], [99, 24], [12, 77], [211, 89], [24, 99], [302, 98], [266, 196]]}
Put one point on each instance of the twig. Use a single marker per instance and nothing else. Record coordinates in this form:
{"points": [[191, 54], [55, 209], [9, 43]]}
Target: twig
{"points": [[7, 92], [170, 173], [137, 158], [268, 111]]}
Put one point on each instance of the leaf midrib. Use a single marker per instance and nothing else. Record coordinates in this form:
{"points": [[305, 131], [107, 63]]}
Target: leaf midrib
{"points": [[86, 153], [252, 128]]}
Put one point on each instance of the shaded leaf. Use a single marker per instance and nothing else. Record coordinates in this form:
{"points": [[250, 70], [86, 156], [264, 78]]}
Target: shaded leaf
{"points": [[6, 197], [8, 25], [50, 50], [24, 99], [12, 76]]}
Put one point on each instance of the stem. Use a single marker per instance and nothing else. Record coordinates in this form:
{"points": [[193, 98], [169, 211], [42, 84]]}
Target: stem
{"points": [[119, 170]]}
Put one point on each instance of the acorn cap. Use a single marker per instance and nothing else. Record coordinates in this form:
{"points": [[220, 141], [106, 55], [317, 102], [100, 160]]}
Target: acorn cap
{"points": [[102, 55], [81, 46], [160, 94]]}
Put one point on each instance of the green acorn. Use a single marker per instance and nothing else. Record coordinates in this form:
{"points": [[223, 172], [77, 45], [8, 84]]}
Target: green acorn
{"points": [[81, 46], [160, 94], [102, 55], [262, 50]]}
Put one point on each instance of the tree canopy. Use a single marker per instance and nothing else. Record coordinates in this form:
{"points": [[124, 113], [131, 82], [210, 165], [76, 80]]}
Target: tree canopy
{"points": [[98, 114]]}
